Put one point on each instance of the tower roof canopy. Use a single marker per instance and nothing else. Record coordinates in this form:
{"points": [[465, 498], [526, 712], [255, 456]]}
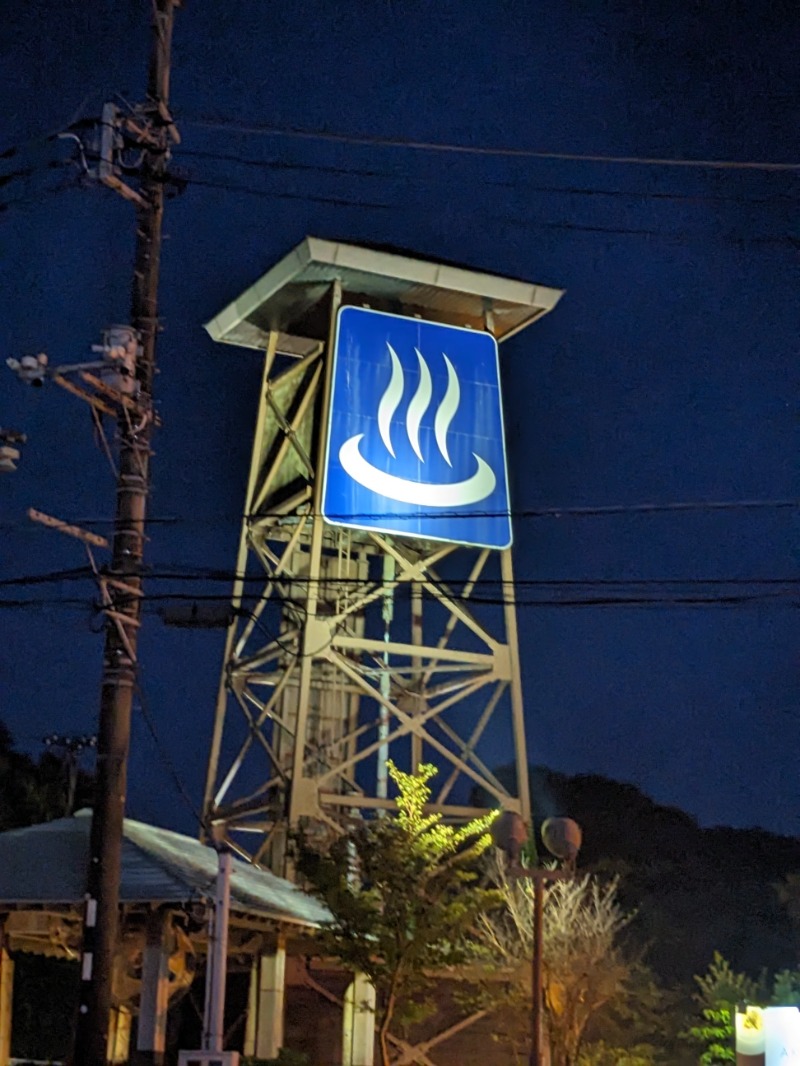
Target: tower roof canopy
{"points": [[290, 296]]}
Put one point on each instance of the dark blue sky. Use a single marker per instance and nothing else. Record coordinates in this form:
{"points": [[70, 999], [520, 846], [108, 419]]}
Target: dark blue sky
{"points": [[667, 373]]}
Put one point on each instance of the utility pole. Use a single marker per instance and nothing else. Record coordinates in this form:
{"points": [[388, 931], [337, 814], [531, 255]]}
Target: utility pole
{"points": [[123, 578], [71, 748]]}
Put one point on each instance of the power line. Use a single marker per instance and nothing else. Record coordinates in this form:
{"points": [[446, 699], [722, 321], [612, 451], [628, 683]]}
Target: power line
{"points": [[477, 150], [337, 201], [282, 166], [22, 173], [573, 227], [18, 175], [166, 572], [656, 508], [46, 137], [668, 235], [163, 754], [37, 197], [672, 506], [47, 578], [259, 579], [785, 597], [22, 146], [782, 595]]}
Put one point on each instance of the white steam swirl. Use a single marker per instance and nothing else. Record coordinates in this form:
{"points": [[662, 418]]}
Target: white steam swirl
{"points": [[480, 485], [447, 409], [390, 399], [419, 404]]}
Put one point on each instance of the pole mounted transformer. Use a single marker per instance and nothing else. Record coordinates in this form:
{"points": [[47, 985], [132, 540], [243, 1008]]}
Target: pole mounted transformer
{"points": [[373, 607]]}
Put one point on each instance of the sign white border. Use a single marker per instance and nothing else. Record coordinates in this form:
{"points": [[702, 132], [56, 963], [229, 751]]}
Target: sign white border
{"points": [[326, 463]]}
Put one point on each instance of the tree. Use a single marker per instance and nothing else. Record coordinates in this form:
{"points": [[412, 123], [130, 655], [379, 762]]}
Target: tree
{"points": [[32, 792], [404, 897], [584, 966], [719, 990], [44, 988], [788, 892], [715, 1033], [693, 889], [786, 988], [600, 1053]]}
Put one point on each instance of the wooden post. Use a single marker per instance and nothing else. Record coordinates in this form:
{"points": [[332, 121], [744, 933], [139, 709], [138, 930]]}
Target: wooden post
{"points": [[119, 1035], [151, 1037], [358, 1023], [271, 999], [6, 997], [249, 1046]]}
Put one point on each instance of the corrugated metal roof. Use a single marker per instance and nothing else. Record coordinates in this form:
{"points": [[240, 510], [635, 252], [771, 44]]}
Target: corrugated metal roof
{"points": [[46, 864], [285, 296]]}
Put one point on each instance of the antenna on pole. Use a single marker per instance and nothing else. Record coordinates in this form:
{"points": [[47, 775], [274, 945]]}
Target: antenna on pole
{"points": [[69, 750]]}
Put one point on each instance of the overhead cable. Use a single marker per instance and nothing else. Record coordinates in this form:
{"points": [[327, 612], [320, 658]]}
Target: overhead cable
{"points": [[483, 150], [338, 201], [531, 223], [448, 177], [164, 572], [672, 506], [787, 597]]}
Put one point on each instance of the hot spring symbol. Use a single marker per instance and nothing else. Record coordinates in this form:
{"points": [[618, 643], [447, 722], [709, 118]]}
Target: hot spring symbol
{"points": [[446, 494]]}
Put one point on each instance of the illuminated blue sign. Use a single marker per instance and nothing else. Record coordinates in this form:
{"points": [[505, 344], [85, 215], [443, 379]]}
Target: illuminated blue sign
{"points": [[415, 431]]}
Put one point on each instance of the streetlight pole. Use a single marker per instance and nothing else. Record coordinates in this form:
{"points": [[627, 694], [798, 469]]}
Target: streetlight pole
{"points": [[562, 838], [538, 944]]}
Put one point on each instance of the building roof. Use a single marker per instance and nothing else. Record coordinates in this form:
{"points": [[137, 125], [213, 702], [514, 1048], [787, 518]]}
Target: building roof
{"points": [[46, 865], [283, 298]]}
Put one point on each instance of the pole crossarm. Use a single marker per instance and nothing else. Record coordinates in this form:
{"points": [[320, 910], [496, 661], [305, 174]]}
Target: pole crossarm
{"points": [[64, 527]]}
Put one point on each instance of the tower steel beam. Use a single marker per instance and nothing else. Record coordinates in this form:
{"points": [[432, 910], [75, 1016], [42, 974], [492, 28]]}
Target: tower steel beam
{"points": [[352, 646]]}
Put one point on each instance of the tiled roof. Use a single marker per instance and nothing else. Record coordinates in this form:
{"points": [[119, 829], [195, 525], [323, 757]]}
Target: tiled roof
{"points": [[46, 864]]}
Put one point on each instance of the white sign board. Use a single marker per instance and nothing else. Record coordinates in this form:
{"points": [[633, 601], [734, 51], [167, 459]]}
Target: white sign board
{"points": [[782, 1036]]}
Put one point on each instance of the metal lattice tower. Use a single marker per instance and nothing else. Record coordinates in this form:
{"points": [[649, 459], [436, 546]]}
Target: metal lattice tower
{"points": [[349, 646]]}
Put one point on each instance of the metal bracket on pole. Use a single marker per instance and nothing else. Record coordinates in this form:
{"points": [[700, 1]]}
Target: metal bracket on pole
{"points": [[106, 168]]}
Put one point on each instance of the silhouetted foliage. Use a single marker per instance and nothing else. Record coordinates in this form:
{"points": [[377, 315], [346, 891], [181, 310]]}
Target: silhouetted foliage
{"points": [[695, 891], [35, 791], [45, 989], [594, 986]]}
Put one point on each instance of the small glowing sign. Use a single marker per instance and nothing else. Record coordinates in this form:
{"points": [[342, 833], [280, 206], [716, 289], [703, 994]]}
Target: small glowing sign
{"points": [[750, 1036], [415, 431], [768, 1037]]}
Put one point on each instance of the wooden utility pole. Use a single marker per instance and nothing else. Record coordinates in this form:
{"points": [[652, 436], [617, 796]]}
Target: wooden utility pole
{"points": [[124, 575]]}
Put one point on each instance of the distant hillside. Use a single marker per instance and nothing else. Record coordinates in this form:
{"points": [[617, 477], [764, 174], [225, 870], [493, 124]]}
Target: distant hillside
{"points": [[696, 890]]}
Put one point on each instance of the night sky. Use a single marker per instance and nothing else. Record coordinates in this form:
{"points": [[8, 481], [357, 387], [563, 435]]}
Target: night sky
{"points": [[667, 374]]}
